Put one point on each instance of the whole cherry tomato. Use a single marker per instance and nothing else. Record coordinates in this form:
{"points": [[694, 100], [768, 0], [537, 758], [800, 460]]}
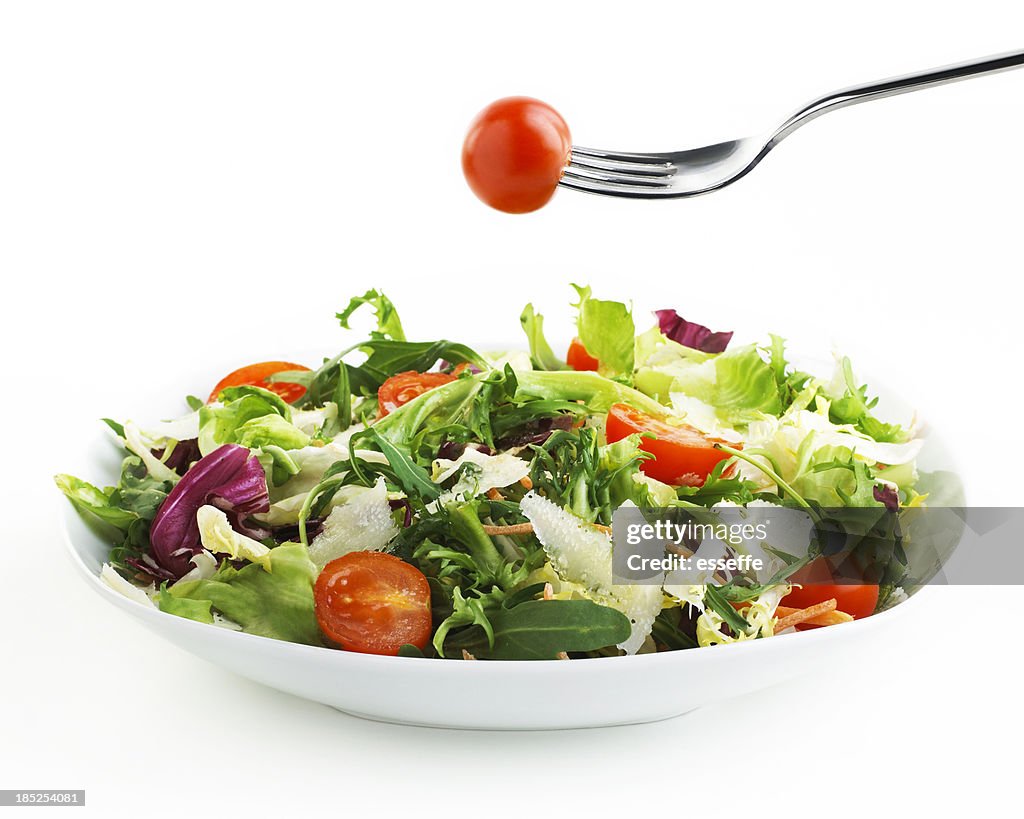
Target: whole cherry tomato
{"points": [[515, 153]]}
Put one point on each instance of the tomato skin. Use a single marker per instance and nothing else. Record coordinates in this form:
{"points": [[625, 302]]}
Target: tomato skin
{"points": [[856, 599], [402, 388], [373, 603], [681, 453], [579, 359], [515, 153], [255, 375]]}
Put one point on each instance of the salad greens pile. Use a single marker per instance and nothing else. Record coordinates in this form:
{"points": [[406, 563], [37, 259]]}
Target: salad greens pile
{"points": [[496, 477]]}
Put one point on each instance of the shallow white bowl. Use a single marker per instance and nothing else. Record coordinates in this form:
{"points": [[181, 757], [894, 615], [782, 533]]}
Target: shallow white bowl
{"points": [[514, 695]]}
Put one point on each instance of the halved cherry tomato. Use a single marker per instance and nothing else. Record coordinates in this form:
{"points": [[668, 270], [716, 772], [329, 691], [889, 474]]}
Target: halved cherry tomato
{"points": [[682, 455], [856, 599], [402, 388], [255, 375], [373, 603], [579, 359], [515, 153]]}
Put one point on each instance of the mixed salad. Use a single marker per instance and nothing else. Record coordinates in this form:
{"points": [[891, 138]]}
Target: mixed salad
{"points": [[435, 500]]}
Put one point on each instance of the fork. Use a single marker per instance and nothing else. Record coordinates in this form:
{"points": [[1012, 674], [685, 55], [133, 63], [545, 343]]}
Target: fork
{"points": [[677, 174]]}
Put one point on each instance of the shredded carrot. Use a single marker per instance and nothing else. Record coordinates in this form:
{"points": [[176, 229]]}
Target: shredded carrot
{"points": [[561, 655], [467, 656], [803, 615], [513, 529], [527, 528], [526, 482], [829, 618], [495, 495], [549, 592]]}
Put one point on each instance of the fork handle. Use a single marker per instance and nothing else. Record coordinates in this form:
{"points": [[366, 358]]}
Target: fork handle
{"points": [[898, 85]]}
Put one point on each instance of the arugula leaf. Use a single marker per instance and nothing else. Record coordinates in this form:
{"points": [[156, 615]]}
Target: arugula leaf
{"points": [[714, 600], [117, 428], [466, 611], [385, 358], [541, 629], [717, 488], [607, 331], [589, 480], [495, 388], [435, 409], [509, 417], [414, 479], [469, 532], [388, 323], [541, 355]]}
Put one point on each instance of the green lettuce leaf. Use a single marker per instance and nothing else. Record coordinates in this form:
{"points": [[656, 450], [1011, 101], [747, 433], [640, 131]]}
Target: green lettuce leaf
{"points": [[593, 389], [541, 355], [222, 424], [277, 603], [606, 329], [739, 384], [124, 512], [270, 430], [93, 501], [218, 537], [831, 476]]}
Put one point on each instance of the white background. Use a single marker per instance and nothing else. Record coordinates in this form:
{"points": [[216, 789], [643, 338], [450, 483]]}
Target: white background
{"points": [[190, 183]]}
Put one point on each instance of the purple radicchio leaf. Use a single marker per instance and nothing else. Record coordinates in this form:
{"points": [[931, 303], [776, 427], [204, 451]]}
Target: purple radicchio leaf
{"points": [[148, 566], [184, 454], [289, 533], [230, 478], [536, 431], [403, 503], [689, 334], [451, 450], [887, 496]]}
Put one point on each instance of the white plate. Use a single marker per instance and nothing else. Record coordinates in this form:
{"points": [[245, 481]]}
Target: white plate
{"points": [[514, 695]]}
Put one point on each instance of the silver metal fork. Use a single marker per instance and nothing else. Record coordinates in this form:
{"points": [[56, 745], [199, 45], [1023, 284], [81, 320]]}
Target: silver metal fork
{"points": [[677, 174]]}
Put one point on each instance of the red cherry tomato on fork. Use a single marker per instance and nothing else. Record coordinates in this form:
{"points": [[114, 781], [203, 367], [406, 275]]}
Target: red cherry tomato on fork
{"points": [[255, 375], [515, 154], [373, 603], [682, 455]]}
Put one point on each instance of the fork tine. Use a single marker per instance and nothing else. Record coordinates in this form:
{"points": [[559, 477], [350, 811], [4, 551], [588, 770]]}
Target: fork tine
{"points": [[603, 188], [585, 175], [651, 160], [629, 168]]}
